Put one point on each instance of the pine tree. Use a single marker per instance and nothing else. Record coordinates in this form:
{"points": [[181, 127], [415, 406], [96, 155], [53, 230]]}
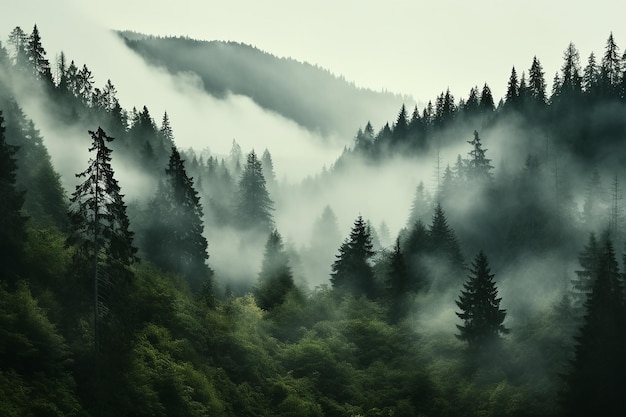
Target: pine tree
{"points": [[480, 307], [583, 282], [253, 206], [591, 75], [12, 222], [18, 39], [175, 240], [472, 105], [571, 80], [611, 68], [595, 382], [398, 284], [401, 127], [268, 168], [37, 56], [442, 240], [421, 206], [351, 270], [537, 82], [512, 91], [275, 279], [478, 166], [100, 230], [487, 105]]}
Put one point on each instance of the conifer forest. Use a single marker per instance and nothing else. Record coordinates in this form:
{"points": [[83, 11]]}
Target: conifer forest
{"points": [[465, 258]]}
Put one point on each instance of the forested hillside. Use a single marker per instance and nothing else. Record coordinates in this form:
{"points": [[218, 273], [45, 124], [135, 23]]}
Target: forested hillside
{"points": [[309, 95], [197, 293]]}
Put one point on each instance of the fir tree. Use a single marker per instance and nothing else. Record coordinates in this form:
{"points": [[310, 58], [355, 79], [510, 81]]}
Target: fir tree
{"points": [[512, 91], [487, 105], [591, 75], [583, 282], [595, 382], [398, 284], [100, 230], [12, 222], [421, 207], [254, 206], [478, 166], [275, 278], [611, 68], [351, 270], [37, 56], [175, 239], [480, 307], [442, 240], [401, 127], [537, 82]]}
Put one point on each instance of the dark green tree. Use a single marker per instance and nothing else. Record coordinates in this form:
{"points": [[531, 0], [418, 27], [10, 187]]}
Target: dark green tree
{"points": [[398, 284], [352, 271], [478, 166], [276, 279], [99, 231], [12, 221], [537, 83], [596, 380], [175, 241], [512, 90], [37, 56], [591, 76], [254, 206], [611, 68], [583, 282], [442, 240], [487, 105], [480, 307], [401, 126], [571, 80]]}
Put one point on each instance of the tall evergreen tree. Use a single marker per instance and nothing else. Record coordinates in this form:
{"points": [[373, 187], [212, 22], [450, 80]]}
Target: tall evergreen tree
{"points": [[512, 90], [591, 76], [421, 207], [175, 240], [611, 68], [401, 127], [583, 282], [275, 279], [487, 105], [398, 284], [480, 307], [571, 80], [595, 383], [100, 230], [478, 165], [37, 56], [253, 205], [12, 221], [442, 240], [537, 82], [268, 167], [18, 39], [351, 270]]}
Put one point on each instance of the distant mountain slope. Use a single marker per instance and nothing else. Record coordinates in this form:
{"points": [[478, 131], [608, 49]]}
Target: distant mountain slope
{"points": [[307, 94]]}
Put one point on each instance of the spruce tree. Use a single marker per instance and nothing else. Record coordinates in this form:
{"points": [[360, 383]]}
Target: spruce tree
{"points": [[591, 76], [480, 307], [478, 165], [401, 127], [595, 383], [275, 278], [398, 284], [583, 282], [487, 105], [611, 68], [175, 240], [537, 83], [12, 222], [351, 271], [37, 56], [254, 206], [512, 90], [100, 231]]}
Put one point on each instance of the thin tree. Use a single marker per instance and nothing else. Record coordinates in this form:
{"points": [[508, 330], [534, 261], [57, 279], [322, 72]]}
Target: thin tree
{"points": [[100, 228], [254, 206]]}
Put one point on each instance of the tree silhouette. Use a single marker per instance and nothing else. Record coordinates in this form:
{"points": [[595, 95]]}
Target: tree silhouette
{"points": [[351, 270], [480, 306], [275, 279], [100, 229], [254, 206]]}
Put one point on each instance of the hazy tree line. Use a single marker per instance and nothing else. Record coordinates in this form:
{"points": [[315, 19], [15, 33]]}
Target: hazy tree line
{"points": [[113, 309]]}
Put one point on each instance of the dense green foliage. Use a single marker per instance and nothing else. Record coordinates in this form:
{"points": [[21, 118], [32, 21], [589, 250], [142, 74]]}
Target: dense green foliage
{"points": [[115, 311]]}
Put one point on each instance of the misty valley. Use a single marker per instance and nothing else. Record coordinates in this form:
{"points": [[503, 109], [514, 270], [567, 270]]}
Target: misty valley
{"points": [[378, 256]]}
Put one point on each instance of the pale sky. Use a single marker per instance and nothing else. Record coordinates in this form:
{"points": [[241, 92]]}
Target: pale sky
{"points": [[405, 46]]}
